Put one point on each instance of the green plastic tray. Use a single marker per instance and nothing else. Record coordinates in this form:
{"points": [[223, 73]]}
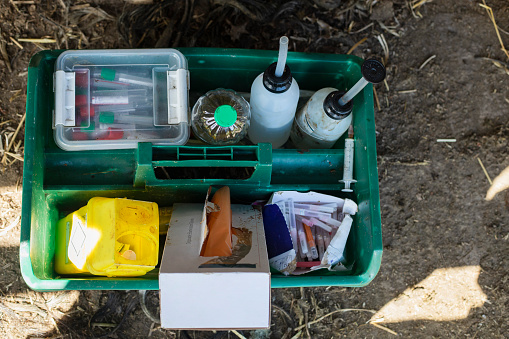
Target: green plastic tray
{"points": [[56, 182]]}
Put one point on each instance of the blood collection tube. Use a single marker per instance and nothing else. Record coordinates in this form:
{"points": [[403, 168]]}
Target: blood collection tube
{"points": [[313, 253]]}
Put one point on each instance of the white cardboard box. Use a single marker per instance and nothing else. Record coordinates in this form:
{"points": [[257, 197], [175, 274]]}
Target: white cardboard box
{"points": [[209, 292]]}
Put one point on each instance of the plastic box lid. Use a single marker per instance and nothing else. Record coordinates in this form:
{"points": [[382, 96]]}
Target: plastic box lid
{"points": [[114, 99]]}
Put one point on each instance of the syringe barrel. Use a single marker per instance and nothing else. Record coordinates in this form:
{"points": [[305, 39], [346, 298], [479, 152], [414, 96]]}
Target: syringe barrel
{"points": [[348, 162], [293, 225]]}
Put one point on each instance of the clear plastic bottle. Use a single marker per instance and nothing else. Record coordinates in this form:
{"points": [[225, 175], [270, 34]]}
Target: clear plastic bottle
{"points": [[221, 117], [322, 121], [274, 98]]}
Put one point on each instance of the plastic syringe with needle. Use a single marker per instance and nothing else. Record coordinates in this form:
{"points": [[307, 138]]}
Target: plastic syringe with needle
{"points": [[118, 118], [293, 225], [315, 222], [107, 77], [321, 216], [120, 97], [317, 208], [348, 162]]}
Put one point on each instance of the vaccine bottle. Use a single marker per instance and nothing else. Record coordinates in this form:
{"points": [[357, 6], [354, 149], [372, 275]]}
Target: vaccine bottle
{"points": [[274, 98], [221, 117], [322, 121], [328, 114]]}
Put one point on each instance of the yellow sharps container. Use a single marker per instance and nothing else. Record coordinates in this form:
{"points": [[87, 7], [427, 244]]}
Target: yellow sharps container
{"points": [[109, 237]]}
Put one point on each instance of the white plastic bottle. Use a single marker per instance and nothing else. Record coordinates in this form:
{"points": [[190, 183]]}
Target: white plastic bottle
{"points": [[322, 121], [274, 98], [328, 114]]}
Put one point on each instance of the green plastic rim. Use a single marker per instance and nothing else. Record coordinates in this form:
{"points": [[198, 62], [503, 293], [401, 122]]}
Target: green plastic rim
{"points": [[225, 115]]}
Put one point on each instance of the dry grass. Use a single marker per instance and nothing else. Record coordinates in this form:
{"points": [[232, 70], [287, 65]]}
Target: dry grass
{"points": [[331, 313], [384, 328], [10, 141], [38, 41], [492, 18], [385, 48], [376, 98], [418, 3], [499, 64], [363, 40], [485, 171], [427, 61]]}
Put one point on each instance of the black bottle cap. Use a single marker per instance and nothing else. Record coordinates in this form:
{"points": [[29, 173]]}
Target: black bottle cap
{"points": [[373, 71], [332, 107], [276, 84]]}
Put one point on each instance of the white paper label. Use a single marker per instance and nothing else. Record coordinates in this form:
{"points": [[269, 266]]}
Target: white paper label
{"points": [[76, 250], [285, 262]]}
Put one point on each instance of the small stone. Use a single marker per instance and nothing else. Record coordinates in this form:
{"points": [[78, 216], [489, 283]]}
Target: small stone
{"points": [[383, 11]]}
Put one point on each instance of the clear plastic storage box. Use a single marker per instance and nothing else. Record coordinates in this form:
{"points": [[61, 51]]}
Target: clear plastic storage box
{"points": [[108, 99]]}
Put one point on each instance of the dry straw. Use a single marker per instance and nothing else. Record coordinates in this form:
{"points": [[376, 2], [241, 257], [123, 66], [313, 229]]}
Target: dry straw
{"points": [[492, 18]]}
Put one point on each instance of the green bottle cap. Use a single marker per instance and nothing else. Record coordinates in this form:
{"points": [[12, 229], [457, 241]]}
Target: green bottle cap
{"points": [[84, 127], [81, 91], [108, 74], [225, 115], [106, 117]]}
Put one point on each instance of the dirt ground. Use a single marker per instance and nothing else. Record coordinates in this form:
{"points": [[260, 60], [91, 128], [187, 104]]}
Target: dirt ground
{"points": [[445, 264]]}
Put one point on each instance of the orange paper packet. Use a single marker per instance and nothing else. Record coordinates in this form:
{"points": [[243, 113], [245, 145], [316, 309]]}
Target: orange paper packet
{"points": [[219, 238]]}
